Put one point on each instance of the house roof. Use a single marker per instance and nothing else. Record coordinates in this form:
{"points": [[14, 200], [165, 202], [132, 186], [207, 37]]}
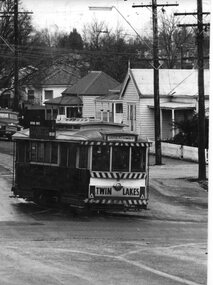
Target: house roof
{"points": [[61, 76], [174, 106], [95, 83], [176, 82], [65, 101], [55, 75], [112, 95]]}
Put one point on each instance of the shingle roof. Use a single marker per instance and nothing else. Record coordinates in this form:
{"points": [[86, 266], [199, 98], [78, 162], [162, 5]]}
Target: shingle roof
{"points": [[176, 81], [61, 77], [65, 101], [55, 75], [95, 83]]}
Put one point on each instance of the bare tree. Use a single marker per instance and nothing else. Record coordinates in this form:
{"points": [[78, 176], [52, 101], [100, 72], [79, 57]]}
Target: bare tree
{"points": [[93, 32], [174, 42]]}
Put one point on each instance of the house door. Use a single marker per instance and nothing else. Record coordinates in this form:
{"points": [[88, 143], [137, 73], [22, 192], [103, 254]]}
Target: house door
{"points": [[131, 116]]}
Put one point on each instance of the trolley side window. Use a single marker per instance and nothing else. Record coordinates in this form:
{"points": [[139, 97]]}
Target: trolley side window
{"points": [[138, 159], [22, 151], [83, 157], [100, 158], [68, 155], [120, 158], [72, 151], [64, 154], [45, 152], [54, 153]]}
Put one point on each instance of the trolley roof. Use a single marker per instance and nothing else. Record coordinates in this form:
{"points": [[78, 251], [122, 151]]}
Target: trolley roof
{"points": [[90, 134]]}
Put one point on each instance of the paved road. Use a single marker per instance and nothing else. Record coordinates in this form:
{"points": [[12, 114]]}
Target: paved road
{"points": [[163, 245]]}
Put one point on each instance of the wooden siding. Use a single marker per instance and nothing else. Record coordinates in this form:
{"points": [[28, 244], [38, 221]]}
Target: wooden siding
{"points": [[88, 106], [146, 121], [144, 115], [131, 96]]}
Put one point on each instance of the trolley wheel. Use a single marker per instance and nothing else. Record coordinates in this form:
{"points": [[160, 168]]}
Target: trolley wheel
{"points": [[84, 211], [45, 198]]}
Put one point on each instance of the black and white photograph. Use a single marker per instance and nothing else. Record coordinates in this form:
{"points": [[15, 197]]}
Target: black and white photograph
{"points": [[105, 135]]}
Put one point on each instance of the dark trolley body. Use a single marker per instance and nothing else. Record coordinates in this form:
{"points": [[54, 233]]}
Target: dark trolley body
{"points": [[83, 164]]}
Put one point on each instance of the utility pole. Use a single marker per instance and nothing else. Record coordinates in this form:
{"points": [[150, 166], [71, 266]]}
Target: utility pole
{"points": [[201, 108], [201, 91], [156, 66], [15, 14], [16, 63]]}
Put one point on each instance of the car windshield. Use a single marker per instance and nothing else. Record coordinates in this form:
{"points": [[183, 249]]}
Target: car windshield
{"points": [[6, 115]]}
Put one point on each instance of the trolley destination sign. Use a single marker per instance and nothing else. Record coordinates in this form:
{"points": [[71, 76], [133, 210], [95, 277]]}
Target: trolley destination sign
{"points": [[121, 137], [43, 130]]}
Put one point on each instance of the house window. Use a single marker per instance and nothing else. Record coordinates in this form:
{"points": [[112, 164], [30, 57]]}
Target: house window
{"points": [[131, 116], [119, 108], [48, 94], [61, 111], [31, 95]]}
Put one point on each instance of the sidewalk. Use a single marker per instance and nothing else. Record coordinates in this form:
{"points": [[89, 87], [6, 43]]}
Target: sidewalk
{"points": [[176, 170], [175, 193]]}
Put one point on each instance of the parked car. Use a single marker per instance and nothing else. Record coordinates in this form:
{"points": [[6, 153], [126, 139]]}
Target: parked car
{"points": [[9, 123]]}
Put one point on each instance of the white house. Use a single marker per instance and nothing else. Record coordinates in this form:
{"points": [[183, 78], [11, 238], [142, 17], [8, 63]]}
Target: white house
{"points": [[178, 89], [79, 100], [50, 84]]}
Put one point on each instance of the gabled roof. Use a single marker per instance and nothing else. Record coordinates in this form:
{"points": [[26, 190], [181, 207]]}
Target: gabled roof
{"points": [[95, 83], [65, 101], [177, 82], [55, 75], [112, 95], [61, 77]]}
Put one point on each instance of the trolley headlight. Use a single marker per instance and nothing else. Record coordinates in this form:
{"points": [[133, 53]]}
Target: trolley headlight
{"points": [[117, 186]]}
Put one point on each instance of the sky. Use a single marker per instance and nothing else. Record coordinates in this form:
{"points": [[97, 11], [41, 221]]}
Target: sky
{"points": [[69, 14]]}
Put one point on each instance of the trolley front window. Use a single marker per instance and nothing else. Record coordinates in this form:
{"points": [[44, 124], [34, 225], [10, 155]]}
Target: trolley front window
{"points": [[138, 159], [120, 158], [100, 158]]}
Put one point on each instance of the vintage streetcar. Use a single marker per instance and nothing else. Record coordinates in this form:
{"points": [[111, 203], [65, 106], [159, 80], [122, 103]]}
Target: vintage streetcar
{"points": [[84, 164]]}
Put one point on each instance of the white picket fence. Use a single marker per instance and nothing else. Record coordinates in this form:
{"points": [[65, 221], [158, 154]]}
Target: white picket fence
{"points": [[179, 151]]}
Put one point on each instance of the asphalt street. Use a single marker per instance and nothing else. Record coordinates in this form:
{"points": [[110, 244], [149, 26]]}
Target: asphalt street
{"points": [[166, 244]]}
